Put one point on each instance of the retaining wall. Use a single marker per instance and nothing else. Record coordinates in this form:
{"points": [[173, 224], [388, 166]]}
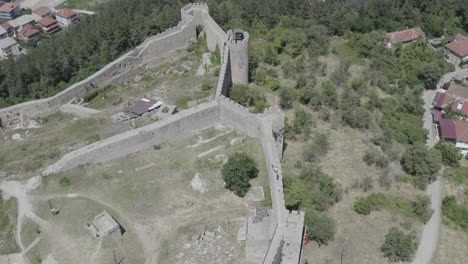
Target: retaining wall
{"points": [[166, 130]]}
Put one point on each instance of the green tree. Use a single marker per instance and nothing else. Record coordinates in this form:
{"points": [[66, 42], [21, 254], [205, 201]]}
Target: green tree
{"points": [[430, 74], [398, 246], [237, 172], [450, 154], [421, 162], [321, 227]]}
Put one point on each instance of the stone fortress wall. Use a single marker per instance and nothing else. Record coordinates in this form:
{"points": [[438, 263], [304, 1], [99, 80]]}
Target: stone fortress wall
{"points": [[153, 51], [285, 245]]}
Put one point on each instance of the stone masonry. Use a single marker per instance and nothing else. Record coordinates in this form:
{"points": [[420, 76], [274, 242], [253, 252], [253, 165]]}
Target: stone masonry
{"points": [[285, 243]]}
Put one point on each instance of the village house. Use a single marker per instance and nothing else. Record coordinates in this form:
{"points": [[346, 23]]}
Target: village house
{"points": [[19, 22], [66, 17], [29, 34], [48, 25], [8, 47], [403, 36], [457, 50], [9, 10], [3, 33], [9, 29], [455, 102], [42, 12]]}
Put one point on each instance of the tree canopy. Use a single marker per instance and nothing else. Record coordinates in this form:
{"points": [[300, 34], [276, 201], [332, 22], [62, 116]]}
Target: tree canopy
{"points": [[238, 171]]}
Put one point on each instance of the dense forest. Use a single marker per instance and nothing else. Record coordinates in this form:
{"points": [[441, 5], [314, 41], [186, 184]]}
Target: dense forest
{"points": [[120, 25]]}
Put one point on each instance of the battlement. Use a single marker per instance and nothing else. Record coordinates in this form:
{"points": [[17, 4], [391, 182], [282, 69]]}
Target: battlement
{"points": [[190, 6]]}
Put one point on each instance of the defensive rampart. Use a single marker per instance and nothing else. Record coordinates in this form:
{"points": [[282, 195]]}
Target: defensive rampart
{"points": [[165, 130]]}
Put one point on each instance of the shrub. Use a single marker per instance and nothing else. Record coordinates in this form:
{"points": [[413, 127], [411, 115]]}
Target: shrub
{"points": [[420, 208], [64, 181], [156, 147], [286, 98], [399, 247], [457, 213], [237, 172], [358, 117], [207, 85], [165, 109], [302, 121], [317, 148], [374, 156]]}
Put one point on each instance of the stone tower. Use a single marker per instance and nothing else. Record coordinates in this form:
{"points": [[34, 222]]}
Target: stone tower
{"points": [[239, 56]]}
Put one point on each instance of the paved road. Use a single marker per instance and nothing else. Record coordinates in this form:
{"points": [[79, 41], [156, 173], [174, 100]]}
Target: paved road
{"points": [[430, 235]]}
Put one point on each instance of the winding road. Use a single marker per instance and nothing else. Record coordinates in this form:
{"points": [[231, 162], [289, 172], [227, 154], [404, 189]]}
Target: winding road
{"points": [[430, 235]]}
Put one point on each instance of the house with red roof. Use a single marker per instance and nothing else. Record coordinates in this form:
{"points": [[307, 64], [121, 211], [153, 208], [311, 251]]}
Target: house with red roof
{"points": [[404, 36], [66, 17], [48, 25], [455, 101], [42, 12], [29, 34], [458, 49], [9, 29], [9, 10]]}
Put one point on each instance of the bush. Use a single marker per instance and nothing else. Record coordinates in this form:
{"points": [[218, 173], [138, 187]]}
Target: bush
{"points": [[165, 109], [420, 208], [237, 172], [317, 148], [286, 98], [156, 147], [457, 213], [399, 247], [207, 85], [374, 156], [64, 181], [450, 154], [328, 94], [358, 117]]}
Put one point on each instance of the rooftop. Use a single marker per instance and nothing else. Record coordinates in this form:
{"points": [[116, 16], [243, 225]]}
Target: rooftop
{"points": [[105, 223], [144, 105], [6, 26], [458, 90], [8, 7], [22, 20], [66, 13], [49, 260], [461, 128], [405, 35], [459, 46], [28, 31], [447, 129], [7, 42], [47, 21], [42, 11]]}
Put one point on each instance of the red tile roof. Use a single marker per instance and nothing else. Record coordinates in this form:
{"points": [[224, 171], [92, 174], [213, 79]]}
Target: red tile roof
{"points": [[6, 26], [42, 11], [437, 115], [8, 7], [447, 129], [461, 127], [459, 47], [458, 90], [28, 31], [405, 35], [47, 21], [66, 13]]}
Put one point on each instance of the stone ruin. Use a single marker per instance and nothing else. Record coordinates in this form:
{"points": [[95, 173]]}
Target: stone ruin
{"points": [[104, 225]]}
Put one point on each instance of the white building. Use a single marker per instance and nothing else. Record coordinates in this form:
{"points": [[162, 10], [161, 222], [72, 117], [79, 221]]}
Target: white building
{"points": [[66, 17], [8, 47]]}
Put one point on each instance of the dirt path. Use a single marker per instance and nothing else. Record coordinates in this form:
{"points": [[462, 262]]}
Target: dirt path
{"points": [[430, 235]]}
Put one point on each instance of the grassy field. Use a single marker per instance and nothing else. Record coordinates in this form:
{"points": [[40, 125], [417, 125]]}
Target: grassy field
{"points": [[8, 215], [42, 146], [150, 194]]}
